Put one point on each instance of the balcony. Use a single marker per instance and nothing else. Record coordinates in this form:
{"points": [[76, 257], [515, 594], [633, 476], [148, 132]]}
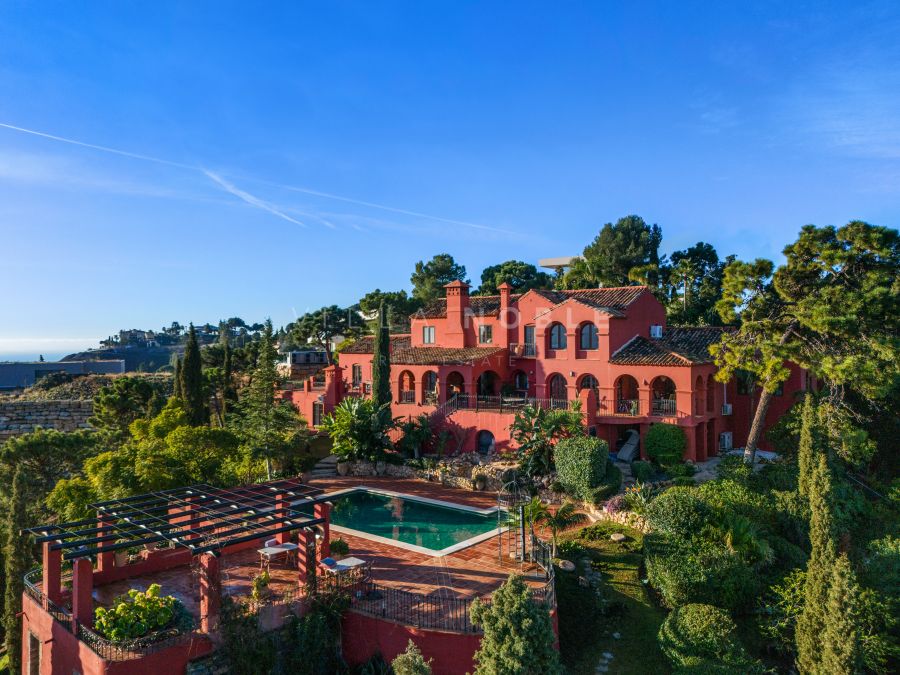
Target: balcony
{"points": [[663, 407], [525, 350]]}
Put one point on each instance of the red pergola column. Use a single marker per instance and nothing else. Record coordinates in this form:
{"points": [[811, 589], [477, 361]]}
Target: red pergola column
{"points": [[323, 510], [210, 592], [52, 578], [82, 591], [306, 555], [281, 511], [107, 559]]}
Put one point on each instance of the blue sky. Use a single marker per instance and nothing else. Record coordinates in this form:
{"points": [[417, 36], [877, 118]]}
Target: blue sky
{"points": [[281, 156]]}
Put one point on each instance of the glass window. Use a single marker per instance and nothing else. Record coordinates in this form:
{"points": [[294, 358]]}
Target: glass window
{"points": [[589, 339], [318, 414], [357, 374], [485, 334], [521, 381], [529, 335], [557, 336], [428, 335]]}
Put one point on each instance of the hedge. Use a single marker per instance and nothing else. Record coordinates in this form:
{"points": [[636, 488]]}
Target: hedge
{"points": [[581, 465], [679, 512], [665, 443], [699, 638]]}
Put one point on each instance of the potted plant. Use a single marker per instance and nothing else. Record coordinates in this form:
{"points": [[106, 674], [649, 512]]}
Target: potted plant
{"points": [[259, 587], [339, 549]]}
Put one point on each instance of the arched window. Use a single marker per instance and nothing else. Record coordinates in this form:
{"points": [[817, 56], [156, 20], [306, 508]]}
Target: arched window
{"points": [[407, 387], [699, 395], [557, 388], [487, 383], [587, 337], [710, 394], [557, 336], [520, 381], [627, 397], [588, 382]]}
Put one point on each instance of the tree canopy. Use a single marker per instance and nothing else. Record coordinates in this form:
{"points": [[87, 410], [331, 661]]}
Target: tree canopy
{"points": [[520, 275], [322, 326], [622, 254], [429, 278]]}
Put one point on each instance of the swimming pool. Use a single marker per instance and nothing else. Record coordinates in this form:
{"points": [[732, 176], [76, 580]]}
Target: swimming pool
{"points": [[414, 523]]}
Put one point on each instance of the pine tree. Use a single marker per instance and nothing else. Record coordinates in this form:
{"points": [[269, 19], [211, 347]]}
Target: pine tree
{"points": [[812, 621], [518, 633], [193, 396], [841, 646], [381, 360], [805, 451], [411, 662], [17, 556]]}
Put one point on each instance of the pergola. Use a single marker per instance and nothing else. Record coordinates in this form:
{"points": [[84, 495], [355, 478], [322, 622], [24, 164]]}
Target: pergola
{"points": [[198, 520]]}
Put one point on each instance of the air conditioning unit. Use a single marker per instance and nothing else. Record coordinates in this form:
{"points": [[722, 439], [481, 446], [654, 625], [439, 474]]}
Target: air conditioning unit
{"points": [[726, 441], [656, 331], [726, 409]]}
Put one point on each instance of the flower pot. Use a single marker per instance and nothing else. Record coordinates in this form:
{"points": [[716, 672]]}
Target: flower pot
{"points": [[343, 468]]}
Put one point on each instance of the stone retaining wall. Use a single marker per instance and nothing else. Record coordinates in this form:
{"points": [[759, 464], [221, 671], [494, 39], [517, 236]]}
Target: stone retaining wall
{"points": [[20, 417]]}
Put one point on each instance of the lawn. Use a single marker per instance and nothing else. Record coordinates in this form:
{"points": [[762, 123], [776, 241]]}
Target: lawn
{"points": [[587, 624]]}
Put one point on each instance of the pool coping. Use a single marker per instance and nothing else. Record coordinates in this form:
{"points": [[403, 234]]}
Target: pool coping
{"points": [[437, 553]]}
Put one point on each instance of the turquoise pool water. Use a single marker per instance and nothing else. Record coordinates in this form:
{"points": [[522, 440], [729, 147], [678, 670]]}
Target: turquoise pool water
{"points": [[410, 521]]}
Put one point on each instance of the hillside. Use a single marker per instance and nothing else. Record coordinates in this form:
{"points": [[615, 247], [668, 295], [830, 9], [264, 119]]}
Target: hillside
{"points": [[145, 359]]}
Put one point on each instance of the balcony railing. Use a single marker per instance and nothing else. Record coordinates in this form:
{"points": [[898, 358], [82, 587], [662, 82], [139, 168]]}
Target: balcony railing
{"points": [[663, 407], [506, 404], [407, 396], [629, 407], [526, 350]]}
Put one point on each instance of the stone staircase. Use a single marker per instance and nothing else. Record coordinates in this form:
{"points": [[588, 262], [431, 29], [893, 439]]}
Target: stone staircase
{"points": [[325, 468]]}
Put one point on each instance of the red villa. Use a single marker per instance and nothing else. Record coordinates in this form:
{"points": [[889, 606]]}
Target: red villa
{"points": [[473, 360]]}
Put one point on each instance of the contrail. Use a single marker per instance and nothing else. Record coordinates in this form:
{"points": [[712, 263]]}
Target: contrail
{"points": [[250, 199]]}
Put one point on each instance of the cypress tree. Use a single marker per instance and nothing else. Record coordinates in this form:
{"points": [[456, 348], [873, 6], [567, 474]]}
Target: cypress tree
{"points": [[17, 556], [842, 649], [265, 424], [805, 450], [381, 360], [177, 378], [194, 398], [811, 622]]}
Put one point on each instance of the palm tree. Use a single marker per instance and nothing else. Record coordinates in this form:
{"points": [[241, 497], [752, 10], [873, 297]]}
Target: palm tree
{"points": [[565, 517]]}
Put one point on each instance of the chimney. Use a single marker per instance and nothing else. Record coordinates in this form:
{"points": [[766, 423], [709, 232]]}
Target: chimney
{"points": [[507, 321], [457, 310]]}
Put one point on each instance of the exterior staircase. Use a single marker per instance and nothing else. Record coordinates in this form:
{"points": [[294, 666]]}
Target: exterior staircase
{"points": [[325, 468]]}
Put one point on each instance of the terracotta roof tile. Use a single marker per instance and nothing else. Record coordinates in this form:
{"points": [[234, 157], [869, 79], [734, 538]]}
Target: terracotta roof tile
{"points": [[612, 300], [481, 305], [403, 354], [366, 344], [677, 347]]}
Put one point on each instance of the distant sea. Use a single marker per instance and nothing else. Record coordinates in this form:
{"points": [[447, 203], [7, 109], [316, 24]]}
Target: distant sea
{"points": [[32, 356]]}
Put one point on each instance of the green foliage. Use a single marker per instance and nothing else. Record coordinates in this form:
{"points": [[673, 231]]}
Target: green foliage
{"points": [[518, 633], [136, 615], [359, 429], [612, 481], [536, 430], [321, 326], [698, 271], [119, 404], [642, 471], [703, 638], [411, 662], [581, 463], [193, 390], [621, 254], [17, 554], [416, 433], [521, 276], [397, 305], [684, 481], [339, 547], [679, 512], [563, 518], [429, 278], [638, 497], [780, 609], [665, 443], [245, 649], [381, 361], [684, 571], [842, 649]]}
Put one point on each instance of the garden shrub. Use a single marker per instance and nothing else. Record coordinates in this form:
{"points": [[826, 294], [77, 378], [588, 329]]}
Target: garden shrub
{"points": [[137, 615], [702, 638], [665, 443], [684, 571], [679, 512], [684, 481], [642, 471], [581, 465], [679, 469], [411, 662], [610, 485]]}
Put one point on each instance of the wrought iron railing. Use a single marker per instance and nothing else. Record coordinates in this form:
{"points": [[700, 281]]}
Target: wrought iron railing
{"points": [[505, 404], [408, 396], [525, 350], [628, 407], [663, 407], [133, 649]]}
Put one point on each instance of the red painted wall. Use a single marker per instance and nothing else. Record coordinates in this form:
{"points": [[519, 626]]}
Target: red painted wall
{"points": [[363, 636]]}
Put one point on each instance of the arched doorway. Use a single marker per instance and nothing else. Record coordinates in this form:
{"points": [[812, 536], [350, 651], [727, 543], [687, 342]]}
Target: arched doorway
{"points": [[456, 385], [662, 397], [487, 383], [520, 382], [407, 387], [627, 397], [699, 395], [429, 387], [485, 442], [557, 389], [710, 395]]}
